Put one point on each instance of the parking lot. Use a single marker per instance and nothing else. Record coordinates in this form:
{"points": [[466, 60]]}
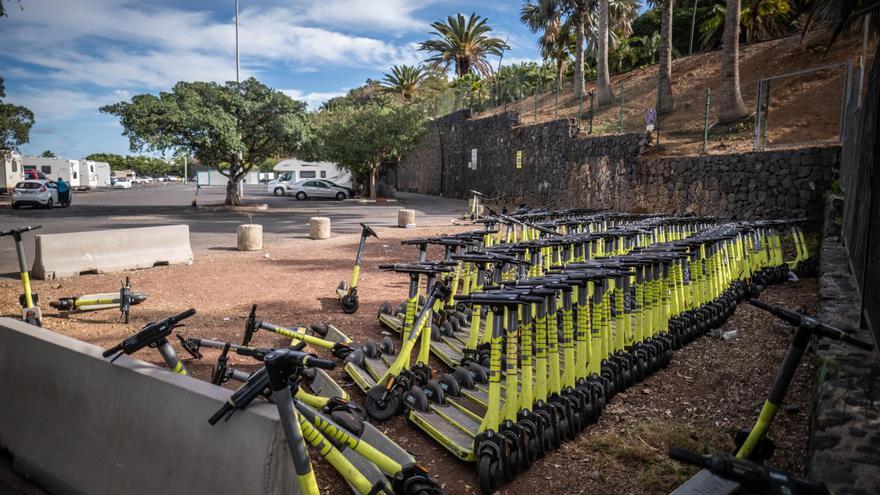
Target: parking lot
{"points": [[211, 225]]}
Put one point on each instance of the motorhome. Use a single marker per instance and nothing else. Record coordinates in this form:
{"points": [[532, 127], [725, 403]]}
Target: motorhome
{"points": [[11, 170], [293, 170], [52, 168], [102, 173], [88, 176]]}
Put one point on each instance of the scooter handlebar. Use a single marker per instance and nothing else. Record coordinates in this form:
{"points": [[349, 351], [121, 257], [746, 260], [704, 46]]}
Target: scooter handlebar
{"points": [[798, 319], [149, 334], [20, 230], [750, 474]]}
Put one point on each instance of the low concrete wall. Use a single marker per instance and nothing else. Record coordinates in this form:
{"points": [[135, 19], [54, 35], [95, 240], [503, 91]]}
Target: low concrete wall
{"points": [[112, 250], [77, 424], [845, 426]]}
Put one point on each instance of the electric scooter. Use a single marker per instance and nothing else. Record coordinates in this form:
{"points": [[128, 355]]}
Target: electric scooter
{"points": [[753, 444], [154, 335], [124, 300], [28, 300], [347, 294]]}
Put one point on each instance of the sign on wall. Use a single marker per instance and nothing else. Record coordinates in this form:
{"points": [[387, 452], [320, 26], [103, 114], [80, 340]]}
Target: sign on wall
{"points": [[473, 163], [519, 159]]}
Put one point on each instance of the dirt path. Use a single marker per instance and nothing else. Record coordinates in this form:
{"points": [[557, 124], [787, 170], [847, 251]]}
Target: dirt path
{"points": [[711, 388]]}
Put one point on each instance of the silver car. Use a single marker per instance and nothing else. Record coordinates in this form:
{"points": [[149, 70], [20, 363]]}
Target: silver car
{"points": [[318, 189]]}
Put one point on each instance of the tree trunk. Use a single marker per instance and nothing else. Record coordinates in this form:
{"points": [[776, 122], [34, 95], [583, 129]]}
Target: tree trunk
{"points": [[232, 196], [603, 79], [665, 101], [579, 62], [730, 100], [374, 176]]}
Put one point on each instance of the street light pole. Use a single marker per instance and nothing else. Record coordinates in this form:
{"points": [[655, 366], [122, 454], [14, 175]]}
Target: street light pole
{"points": [[237, 76]]}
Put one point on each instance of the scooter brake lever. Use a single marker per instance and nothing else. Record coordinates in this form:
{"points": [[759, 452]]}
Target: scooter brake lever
{"points": [[189, 346]]}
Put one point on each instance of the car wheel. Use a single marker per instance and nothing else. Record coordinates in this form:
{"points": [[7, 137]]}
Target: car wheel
{"points": [[279, 191], [49, 204], [301, 196], [340, 196]]}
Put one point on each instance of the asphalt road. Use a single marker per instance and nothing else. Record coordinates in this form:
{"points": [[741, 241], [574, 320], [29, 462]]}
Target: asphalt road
{"points": [[210, 226]]}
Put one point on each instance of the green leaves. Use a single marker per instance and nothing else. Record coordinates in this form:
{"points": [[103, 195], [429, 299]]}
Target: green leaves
{"points": [[404, 80], [464, 43], [241, 124], [15, 122]]}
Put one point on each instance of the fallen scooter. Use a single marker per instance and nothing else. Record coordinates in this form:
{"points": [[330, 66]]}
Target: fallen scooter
{"points": [[154, 335], [28, 300], [347, 293], [124, 300]]}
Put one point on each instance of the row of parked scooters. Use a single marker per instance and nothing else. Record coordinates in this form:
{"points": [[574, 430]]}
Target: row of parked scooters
{"points": [[541, 317]]}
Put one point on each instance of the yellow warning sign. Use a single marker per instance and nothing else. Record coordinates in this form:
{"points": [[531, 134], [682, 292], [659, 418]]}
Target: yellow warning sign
{"points": [[519, 159]]}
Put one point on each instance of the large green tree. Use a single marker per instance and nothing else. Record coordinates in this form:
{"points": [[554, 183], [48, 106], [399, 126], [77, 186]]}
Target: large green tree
{"points": [[465, 43], [15, 122], [404, 80], [359, 138], [231, 127]]}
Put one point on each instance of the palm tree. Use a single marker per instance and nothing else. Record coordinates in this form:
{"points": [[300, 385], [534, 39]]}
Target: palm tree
{"points": [[464, 43], [404, 80], [665, 98], [730, 100], [603, 78], [557, 41]]}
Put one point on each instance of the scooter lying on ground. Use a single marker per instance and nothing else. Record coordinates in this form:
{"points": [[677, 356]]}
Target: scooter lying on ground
{"points": [[347, 293], [28, 300], [154, 335], [366, 468], [123, 300], [723, 475]]}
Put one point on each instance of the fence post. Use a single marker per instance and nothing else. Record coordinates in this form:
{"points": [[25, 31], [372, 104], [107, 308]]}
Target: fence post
{"points": [[592, 100], [535, 97], [766, 118], [758, 113], [556, 115], [706, 120], [621, 106], [580, 109]]}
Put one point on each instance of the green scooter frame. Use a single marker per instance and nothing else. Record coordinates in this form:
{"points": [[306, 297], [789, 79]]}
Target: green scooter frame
{"points": [[123, 300], [347, 293]]}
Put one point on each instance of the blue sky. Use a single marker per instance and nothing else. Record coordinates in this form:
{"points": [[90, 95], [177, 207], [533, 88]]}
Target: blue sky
{"points": [[65, 58]]}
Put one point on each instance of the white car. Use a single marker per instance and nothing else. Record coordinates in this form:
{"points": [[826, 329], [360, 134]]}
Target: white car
{"points": [[122, 183], [36, 193]]}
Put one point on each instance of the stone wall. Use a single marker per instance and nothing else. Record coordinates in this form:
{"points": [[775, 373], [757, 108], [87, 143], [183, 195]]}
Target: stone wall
{"points": [[845, 429], [561, 167]]}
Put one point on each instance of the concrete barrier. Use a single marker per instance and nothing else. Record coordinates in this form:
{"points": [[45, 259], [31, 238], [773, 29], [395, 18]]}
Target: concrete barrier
{"points": [[250, 237], [112, 250], [406, 218], [77, 424]]}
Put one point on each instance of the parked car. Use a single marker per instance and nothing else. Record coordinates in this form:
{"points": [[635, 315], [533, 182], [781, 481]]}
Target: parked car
{"points": [[311, 188], [122, 183], [36, 193]]}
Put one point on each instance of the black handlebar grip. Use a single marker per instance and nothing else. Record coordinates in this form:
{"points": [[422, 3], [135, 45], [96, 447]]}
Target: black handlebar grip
{"points": [[861, 344], [110, 352], [35, 227], [324, 364], [688, 457], [182, 316], [219, 414]]}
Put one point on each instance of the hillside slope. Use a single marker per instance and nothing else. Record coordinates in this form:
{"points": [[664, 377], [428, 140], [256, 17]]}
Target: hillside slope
{"points": [[803, 109]]}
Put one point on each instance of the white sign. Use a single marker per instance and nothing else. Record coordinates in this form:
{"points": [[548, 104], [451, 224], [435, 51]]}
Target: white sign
{"points": [[473, 164]]}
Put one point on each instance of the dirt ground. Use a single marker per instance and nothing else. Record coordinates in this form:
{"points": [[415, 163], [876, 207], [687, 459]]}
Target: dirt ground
{"points": [[804, 110], [711, 389]]}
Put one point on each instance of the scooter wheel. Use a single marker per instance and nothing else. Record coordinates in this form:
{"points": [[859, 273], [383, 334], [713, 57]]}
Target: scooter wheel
{"points": [[349, 304], [478, 372], [371, 350], [490, 472], [450, 385], [384, 309], [417, 399], [356, 358], [341, 285], [464, 378], [456, 323], [435, 332], [446, 329], [434, 392], [401, 308], [379, 409], [421, 486], [320, 329], [386, 346]]}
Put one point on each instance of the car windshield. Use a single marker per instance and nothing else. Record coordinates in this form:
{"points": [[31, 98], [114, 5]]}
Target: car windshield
{"points": [[28, 185]]}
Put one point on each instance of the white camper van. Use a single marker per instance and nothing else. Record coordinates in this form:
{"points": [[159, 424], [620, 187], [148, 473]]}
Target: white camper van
{"points": [[88, 176], [11, 170], [102, 173], [53, 168], [292, 170]]}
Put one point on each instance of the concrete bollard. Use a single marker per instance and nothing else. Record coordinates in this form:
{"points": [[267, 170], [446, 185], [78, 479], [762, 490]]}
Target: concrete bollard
{"points": [[250, 237], [319, 228], [406, 218]]}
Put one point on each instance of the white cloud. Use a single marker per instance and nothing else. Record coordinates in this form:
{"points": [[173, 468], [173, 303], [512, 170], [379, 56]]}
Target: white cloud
{"points": [[59, 104], [313, 99]]}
